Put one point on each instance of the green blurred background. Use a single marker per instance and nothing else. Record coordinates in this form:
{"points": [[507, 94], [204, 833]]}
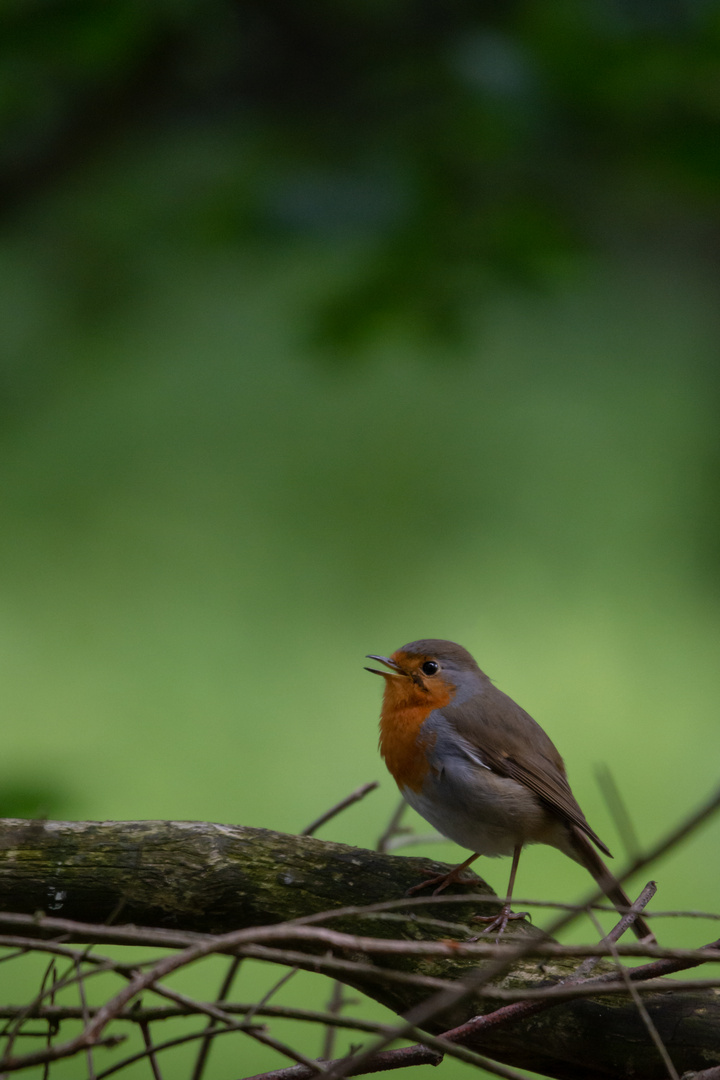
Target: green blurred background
{"points": [[330, 326]]}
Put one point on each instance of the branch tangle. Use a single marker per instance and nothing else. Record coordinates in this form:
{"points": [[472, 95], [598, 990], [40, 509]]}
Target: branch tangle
{"points": [[202, 878]]}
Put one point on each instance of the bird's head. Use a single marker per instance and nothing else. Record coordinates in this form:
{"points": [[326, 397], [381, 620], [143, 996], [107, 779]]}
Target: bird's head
{"points": [[429, 671]]}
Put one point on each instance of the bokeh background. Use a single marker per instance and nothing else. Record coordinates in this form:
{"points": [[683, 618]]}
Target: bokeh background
{"points": [[330, 326]]}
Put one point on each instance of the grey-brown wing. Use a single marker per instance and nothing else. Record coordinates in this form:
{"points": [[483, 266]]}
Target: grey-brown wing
{"points": [[503, 735]]}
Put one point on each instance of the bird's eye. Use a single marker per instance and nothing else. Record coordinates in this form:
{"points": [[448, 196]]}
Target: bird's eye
{"points": [[430, 667]]}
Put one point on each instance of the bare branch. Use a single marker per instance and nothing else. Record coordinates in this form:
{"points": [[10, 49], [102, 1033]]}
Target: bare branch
{"points": [[185, 881], [356, 796], [205, 1045], [645, 1017]]}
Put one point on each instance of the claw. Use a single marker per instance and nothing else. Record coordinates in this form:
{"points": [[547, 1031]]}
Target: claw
{"points": [[443, 880], [500, 921]]}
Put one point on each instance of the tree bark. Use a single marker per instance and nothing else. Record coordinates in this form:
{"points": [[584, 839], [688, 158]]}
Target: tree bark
{"points": [[199, 877]]}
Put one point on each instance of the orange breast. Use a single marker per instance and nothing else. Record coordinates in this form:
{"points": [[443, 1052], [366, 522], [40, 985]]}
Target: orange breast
{"points": [[404, 747]]}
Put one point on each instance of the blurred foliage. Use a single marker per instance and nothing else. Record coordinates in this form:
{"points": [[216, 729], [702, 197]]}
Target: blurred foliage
{"points": [[28, 799], [455, 145]]}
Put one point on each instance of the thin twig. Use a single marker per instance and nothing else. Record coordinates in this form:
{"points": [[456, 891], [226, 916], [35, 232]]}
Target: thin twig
{"points": [[354, 797], [330, 965], [647, 977], [384, 1062], [56, 1013], [139, 1055], [305, 929], [37, 945], [480, 950], [18, 952], [642, 1012], [617, 931], [337, 998], [618, 811], [393, 828], [254, 1031], [630, 916], [225, 987], [429, 1050], [151, 1050], [271, 992], [86, 1017], [334, 1008], [12, 1030], [179, 1041], [51, 1029]]}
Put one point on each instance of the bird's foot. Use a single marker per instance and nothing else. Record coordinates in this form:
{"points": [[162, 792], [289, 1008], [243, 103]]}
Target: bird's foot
{"points": [[499, 922], [441, 880]]}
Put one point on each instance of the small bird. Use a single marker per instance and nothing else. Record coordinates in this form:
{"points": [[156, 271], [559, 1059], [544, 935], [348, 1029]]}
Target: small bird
{"points": [[479, 768]]}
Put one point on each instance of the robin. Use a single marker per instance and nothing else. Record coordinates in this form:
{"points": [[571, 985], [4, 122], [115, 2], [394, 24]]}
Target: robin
{"points": [[479, 768]]}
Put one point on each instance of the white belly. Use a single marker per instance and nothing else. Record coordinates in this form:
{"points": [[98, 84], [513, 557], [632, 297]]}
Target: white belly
{"points": [[490, 815]]}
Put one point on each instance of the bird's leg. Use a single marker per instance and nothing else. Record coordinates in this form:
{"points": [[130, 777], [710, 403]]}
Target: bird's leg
{"points": [[443, 880], [500, 921]]}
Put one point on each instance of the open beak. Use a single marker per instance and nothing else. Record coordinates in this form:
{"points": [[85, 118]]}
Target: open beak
{"points": [[396, 672]]}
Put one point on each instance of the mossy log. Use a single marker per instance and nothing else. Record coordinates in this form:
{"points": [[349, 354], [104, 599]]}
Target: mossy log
{"points": [[206, 878]]}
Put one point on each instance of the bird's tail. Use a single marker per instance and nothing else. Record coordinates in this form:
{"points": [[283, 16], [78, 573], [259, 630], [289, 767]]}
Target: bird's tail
{"points": [[584, 852]]}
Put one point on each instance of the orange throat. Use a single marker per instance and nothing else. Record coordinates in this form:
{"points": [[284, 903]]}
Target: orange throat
{"points": [[404, 710]]}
